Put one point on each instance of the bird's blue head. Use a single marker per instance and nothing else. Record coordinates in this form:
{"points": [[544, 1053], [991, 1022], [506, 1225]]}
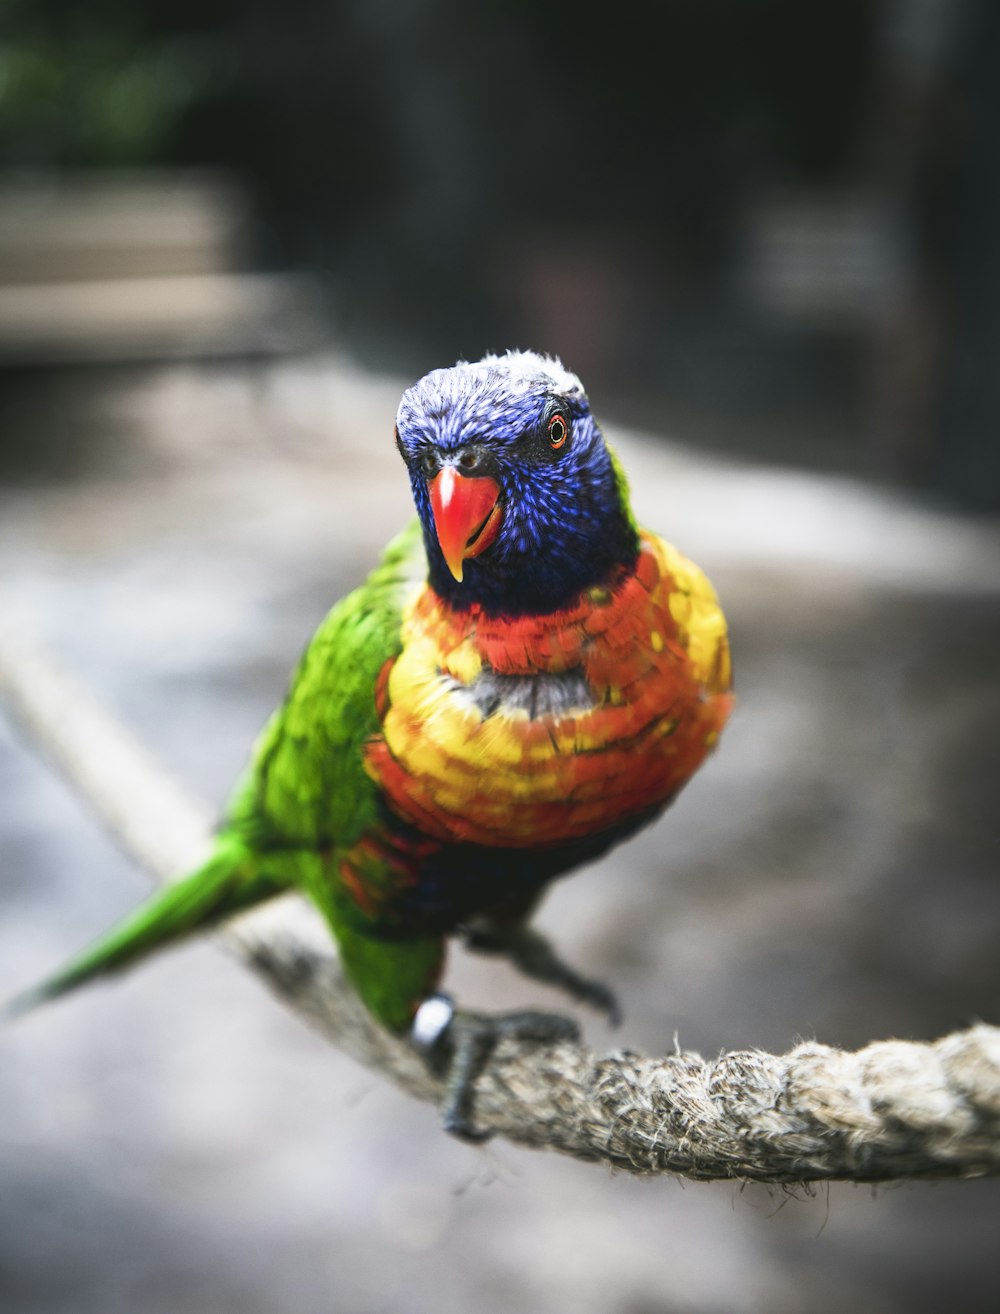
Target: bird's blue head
{"points": [[521, 502]]}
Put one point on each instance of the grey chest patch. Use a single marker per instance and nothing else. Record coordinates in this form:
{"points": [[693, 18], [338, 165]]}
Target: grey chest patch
{"points": [[538, 695]]}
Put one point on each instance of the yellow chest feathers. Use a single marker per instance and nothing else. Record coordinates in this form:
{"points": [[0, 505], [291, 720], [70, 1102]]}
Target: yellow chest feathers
{"points": [[536, 730]]}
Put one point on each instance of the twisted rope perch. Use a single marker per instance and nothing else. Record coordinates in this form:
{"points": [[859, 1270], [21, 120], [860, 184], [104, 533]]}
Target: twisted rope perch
{"points": [[894, 1109]]}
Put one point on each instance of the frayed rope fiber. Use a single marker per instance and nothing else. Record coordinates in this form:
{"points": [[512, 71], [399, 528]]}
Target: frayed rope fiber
{"points": [[894, 1109]]}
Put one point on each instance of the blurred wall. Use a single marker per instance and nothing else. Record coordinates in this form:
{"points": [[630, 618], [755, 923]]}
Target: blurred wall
{"points": [[767, 222]]}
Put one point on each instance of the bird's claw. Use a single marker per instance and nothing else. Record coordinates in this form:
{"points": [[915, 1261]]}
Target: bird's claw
{"points": [[458, 1045], [532, 953], [600, 997]]}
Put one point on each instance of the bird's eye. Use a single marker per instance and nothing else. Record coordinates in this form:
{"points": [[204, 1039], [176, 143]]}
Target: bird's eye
{"points": [[558, 431], [428, 463]]}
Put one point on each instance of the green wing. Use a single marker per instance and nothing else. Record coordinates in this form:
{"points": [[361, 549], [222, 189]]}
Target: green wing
{"points": [[306, 787], [306, 797]]}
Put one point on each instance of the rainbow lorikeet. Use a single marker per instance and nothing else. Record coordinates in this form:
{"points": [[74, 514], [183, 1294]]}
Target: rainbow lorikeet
{"points": [[525, 679]]}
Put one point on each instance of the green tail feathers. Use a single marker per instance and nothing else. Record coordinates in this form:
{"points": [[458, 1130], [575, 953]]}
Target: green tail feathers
{"points": [[224, 885]]}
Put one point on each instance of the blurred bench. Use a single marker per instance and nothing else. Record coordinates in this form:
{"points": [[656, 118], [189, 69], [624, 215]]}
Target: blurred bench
{"points": [[133, 267]]}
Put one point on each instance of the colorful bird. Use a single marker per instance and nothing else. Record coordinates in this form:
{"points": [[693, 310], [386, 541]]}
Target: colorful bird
{"points": [[524, 680]]}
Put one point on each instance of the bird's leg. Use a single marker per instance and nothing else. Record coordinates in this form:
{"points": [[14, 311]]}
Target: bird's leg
{"points": [[459, 1044], [533, 954]]}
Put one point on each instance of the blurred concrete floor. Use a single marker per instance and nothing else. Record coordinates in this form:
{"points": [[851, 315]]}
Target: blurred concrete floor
{"points": [[176, 1140]]}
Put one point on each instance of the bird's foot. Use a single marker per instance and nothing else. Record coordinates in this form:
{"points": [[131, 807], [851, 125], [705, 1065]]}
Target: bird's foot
{"points": [[458, 1045], [532, 953]]}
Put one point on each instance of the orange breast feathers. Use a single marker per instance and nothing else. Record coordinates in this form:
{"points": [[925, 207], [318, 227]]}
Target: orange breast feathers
{"points": [[515, 733]]}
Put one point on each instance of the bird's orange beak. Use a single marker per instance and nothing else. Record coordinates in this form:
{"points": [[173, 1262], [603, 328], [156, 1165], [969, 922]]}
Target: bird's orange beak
{"points": [[467, 515]]}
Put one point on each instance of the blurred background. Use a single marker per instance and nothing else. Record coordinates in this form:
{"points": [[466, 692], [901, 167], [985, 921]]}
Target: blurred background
{"points": [[765, 234]]}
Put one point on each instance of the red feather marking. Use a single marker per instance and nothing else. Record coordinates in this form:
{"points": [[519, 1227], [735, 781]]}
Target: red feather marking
{"points": [[355, 885], [382, 700], [647, 569]]}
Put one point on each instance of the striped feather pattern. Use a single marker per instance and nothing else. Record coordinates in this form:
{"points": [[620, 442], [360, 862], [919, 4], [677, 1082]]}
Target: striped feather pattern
{"points": [[644, 663]]}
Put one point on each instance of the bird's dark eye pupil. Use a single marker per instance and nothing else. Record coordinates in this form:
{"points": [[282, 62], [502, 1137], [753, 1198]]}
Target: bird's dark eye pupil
{"points": [[428, 462], [467, 460]]}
